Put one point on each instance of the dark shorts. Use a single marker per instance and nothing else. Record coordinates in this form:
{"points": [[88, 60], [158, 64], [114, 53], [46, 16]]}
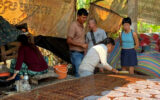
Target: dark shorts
{"points": [[128, 57]]}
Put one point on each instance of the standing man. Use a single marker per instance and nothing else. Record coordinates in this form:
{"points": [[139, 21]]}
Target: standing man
{"points": [[76, 39], [95, 35]]}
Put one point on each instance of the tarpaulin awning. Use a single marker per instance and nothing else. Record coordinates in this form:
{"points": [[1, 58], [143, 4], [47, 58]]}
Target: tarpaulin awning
{"points": [[8, 33], [44, 17], [148, 10], [106, 19]]}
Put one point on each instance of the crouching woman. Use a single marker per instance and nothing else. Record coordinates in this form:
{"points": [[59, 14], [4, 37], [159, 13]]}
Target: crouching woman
{"points": [[97, 57]]}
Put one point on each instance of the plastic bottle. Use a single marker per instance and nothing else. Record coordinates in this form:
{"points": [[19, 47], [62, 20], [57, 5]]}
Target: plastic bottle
{"points": [[26, 77], [26, 85]]}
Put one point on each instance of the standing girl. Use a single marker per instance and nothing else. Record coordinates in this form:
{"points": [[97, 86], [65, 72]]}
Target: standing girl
{"points": [[129, 42]]}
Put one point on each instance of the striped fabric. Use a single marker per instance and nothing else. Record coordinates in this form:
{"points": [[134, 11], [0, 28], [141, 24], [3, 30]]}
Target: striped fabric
{"points": [[114, 57], [148, 63]]}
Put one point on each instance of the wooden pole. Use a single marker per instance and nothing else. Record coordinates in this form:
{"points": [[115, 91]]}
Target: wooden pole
{"points": [[3, 54], [133, 13]]}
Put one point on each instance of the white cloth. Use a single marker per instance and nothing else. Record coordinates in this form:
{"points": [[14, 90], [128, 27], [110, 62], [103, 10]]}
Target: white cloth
{"points": [[96, 57], [25, 33]]}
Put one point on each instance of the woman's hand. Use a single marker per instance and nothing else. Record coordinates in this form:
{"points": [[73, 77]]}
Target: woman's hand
{"points": [[115, 71], [101, 70], [12, 77], [136, 47]]}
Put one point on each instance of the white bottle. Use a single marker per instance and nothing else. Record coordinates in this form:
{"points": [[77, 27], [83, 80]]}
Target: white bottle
{"points": [[26, 85], [26, 77]]}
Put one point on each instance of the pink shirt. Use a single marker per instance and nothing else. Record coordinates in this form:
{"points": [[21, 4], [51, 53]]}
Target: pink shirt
{"points": [[77, 33]]}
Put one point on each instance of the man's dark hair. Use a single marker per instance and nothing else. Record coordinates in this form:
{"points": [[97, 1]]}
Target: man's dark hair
{"points": [[82, 11], [126, 20], [108, 41]]}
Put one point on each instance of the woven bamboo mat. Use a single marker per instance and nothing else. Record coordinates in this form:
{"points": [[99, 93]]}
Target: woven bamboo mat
{"points": [[77, 89]]}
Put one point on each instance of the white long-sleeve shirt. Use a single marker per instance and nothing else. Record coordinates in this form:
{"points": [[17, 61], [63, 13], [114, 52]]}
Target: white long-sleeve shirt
{"points": [[96, 57]]}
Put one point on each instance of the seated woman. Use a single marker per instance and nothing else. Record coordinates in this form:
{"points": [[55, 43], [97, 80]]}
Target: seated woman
{"points": [[31, 56], [96, 57]]}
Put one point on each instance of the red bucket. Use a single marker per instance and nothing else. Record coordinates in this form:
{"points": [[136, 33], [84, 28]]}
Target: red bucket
{"points": [[61, 70], [5, 74]]}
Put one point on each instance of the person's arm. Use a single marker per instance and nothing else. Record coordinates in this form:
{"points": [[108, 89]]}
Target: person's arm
{"points": [[18, 63], [103, 56], [12, 77], [102, 69], [109, 67], [86, 41], [71, 42], [120, 38], [70, 37], [87, 38], [135, 36]]}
